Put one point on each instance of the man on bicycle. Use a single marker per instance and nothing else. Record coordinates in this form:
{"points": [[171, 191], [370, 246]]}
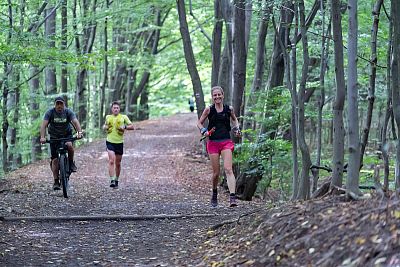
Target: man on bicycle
{"points": [[58, 120]]}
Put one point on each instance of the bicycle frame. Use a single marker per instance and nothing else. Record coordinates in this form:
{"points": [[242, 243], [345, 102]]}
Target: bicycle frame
{"points": [[63, 162]]}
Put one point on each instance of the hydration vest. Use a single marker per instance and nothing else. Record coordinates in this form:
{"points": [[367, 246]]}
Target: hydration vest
{"points": [[221, 121]]}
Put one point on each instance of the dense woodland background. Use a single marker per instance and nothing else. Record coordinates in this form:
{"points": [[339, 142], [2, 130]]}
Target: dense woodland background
{"points": [[314, 82]]}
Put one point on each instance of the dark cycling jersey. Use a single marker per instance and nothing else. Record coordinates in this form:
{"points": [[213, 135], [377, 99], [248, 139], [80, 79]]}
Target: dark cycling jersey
{"points": [[221, 121], [59, 123]]}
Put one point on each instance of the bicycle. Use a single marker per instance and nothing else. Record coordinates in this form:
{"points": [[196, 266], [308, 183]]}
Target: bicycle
{"points": [[63, 162]]}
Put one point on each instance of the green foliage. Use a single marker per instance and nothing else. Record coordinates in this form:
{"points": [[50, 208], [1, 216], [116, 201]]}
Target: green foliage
{"points": [[268, 158]]}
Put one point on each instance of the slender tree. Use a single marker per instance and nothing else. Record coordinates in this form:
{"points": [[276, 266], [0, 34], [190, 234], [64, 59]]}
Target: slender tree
{"points": [[338, 127], [395, 9], [239, 56], [304, 187], [189, 56], [225, 69], [372, 78], [321, 96], [50, 31], [353, 170], [256, 87], [388, 111], [84, 46], [6, 84], [63, 46], [216, 42]]}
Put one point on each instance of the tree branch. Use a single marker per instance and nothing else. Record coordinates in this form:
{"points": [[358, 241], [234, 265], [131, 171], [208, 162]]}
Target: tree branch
{"points": [[36, 26], [198, 22]]}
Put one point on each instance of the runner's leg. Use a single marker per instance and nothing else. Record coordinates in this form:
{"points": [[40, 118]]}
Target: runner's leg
{"points": [[214, 158], [54, 168], [70, 151], [111, 162], [216, 171], [230, 177], [118, 159]]}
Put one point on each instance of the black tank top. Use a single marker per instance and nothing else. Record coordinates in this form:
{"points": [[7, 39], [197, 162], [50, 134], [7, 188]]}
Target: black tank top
{"points": [[221, 121]]}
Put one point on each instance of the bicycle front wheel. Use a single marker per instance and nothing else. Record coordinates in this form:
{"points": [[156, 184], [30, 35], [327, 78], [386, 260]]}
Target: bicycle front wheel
{"points": [[64, 174]]}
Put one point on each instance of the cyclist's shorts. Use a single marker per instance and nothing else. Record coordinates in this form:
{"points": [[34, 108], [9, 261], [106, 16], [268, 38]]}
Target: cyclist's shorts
{"points": [[54, 146], [117, 148], [214, 147]]}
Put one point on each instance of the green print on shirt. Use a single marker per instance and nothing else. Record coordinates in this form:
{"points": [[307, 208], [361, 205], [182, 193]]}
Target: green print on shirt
{"points": [[60, 120]]}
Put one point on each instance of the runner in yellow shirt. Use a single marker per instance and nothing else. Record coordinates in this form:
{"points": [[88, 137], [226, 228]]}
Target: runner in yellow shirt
{"points": [[115, 126]]}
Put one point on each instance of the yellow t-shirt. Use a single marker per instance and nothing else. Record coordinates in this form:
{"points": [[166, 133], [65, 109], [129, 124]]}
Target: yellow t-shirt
{"points": [[114, 135]]}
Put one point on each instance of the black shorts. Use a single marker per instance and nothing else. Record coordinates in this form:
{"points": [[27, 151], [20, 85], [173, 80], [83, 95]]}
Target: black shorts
{"points": [[117, 148], [54, 146]]}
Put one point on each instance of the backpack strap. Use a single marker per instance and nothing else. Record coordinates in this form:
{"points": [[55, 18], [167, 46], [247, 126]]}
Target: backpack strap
{"points": [[211, 116], [227, 110]]}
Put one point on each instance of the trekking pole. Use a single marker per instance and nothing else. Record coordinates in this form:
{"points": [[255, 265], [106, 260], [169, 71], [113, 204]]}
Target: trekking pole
{"points": [[209, 133]]}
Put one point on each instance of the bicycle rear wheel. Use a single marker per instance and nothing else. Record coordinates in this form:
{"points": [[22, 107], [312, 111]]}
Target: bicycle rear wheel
{"points": [[64, 174]]}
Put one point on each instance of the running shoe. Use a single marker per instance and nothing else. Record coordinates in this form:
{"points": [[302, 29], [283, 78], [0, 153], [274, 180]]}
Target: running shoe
{"points": [[56, 185], [232, 201], [214, 199]]}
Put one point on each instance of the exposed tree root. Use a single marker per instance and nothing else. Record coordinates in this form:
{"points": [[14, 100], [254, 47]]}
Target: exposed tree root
{"points": [[218, 225]]}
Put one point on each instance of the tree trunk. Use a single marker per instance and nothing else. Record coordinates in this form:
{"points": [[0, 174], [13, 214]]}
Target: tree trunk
{"points": [[321, 96], [247, 26], [225, 71], [14, 155], [34, 108], [388, 113], [50, 30], [64, 40], [132, 102], [353, 169], [338, 127], [119, 81], [216, 42], [84, 47], [276, 69], [144, 106], [304, 186], [372, 78], [104, 83], [5, 112], [291, 85], [396, 83], [189, 56], [259, 70], [5, 82], [119, 78], [239, 57]]}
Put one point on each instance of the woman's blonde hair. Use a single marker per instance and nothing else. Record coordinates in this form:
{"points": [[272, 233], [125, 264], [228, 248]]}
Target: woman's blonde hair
{"points": [[217, 87]]}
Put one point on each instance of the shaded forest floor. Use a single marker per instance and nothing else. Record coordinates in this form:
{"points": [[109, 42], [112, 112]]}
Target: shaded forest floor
{"points": [[164, 175]]}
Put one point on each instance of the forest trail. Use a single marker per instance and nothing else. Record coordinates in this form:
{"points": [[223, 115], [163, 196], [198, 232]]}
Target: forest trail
{"points": [[163, 173]]}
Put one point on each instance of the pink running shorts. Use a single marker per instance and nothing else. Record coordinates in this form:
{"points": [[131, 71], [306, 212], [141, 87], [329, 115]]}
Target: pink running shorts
{"points": [[216, 147]]}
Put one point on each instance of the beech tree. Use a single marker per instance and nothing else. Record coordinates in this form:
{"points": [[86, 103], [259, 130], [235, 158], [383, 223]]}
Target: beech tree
{"points": [[338, 127], [353, 170]]}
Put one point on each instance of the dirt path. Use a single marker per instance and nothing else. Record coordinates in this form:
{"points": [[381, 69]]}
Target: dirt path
{"points": [[162, 175]]}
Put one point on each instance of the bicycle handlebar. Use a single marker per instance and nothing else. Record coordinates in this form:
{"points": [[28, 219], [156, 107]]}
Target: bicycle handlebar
{"points": [[66, 139]]}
